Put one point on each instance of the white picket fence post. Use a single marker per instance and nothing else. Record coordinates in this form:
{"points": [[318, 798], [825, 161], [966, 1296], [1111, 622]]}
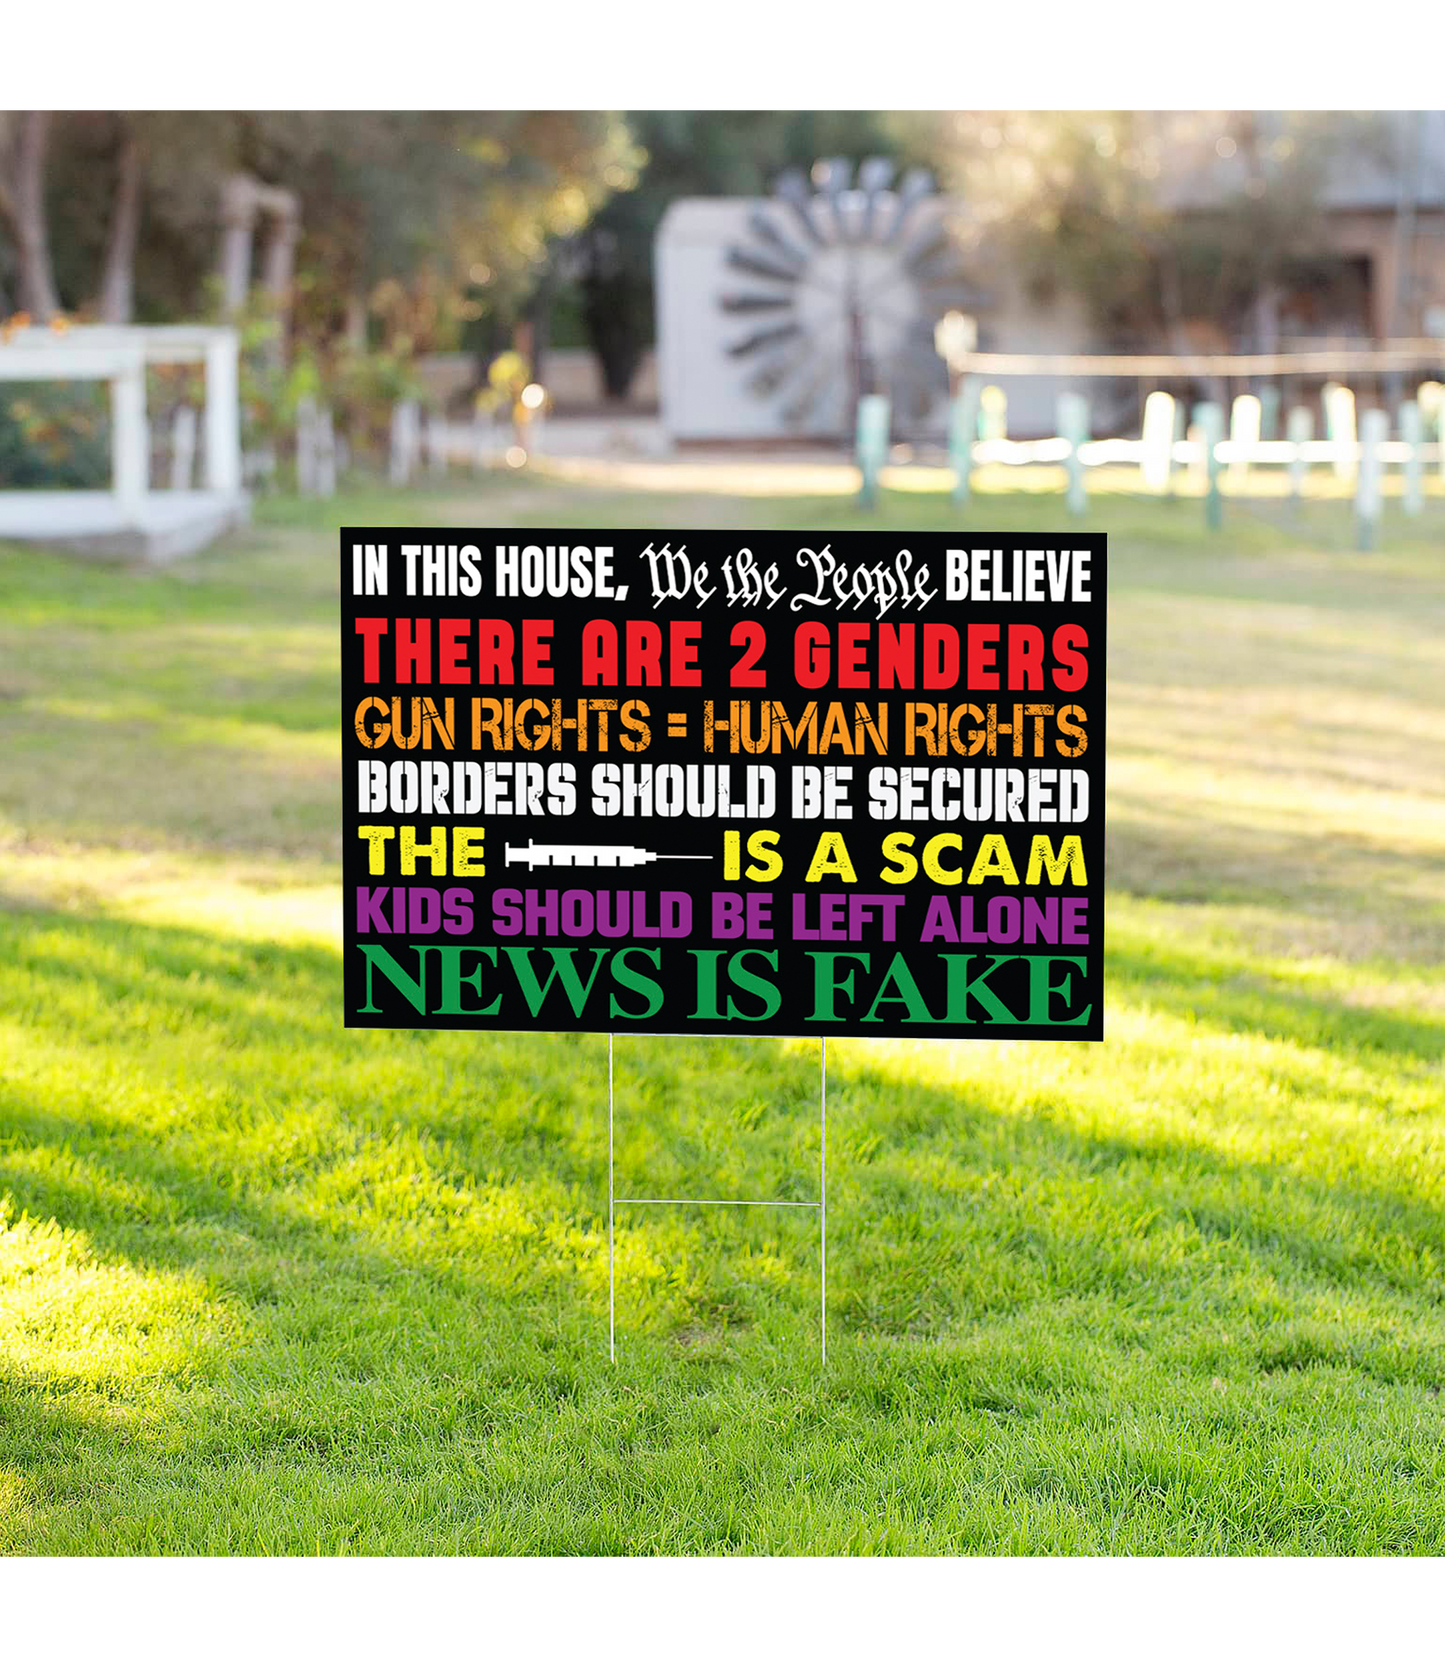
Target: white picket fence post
{"points": [[1158, 441], [1412, 432], [1340, 428], [1209, 423], [130, 456], [1374, 429], [184, 430], [436, 445], [484, 438], [1300, 431], [325, 451], [1244, 421], [306, 446], [405, 441], [1072, 415]]}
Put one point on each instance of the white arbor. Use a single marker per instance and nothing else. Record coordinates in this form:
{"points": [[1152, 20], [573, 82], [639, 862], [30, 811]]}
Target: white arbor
{"points": [[129, 517]]}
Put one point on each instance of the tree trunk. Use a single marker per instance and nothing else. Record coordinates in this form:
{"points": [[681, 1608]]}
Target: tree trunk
{"points": [[36, 277], [539, 314], [611, 310], [1171, 301], [117, 284]]}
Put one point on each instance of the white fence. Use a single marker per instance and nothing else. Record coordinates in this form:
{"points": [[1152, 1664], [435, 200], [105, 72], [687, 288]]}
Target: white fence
{"points": [[129, 517], [978, 437]]}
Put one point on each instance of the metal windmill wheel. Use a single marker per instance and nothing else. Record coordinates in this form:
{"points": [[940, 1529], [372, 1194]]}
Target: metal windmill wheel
{"points": [[841, 286]]}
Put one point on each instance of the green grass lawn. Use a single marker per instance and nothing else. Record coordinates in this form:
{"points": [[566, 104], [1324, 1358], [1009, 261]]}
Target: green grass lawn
{"points": [[271, 1286]]}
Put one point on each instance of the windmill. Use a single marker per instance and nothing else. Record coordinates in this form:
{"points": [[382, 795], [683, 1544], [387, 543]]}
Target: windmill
{"points": [[839, 286]]}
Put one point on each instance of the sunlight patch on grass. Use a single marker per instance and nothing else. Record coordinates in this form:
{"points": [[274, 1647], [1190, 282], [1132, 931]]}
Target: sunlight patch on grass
{"points": [[71, 1315], [250, 898]]}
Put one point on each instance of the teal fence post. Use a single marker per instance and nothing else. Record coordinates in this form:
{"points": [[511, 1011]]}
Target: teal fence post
{"points": [[993, 413], [1072, 416], [1181, 433], [1412, 432], [1299, 431], [873, 414], [1209, 420], [1268, 412], [1374, 427], [962, 431]]}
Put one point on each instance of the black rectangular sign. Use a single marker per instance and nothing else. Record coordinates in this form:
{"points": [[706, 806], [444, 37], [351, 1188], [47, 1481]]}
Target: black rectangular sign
{"points": [[767, 783]]}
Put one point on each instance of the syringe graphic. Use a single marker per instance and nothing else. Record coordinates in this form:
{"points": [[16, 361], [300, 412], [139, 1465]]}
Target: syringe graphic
{"points": [[590, 856]]}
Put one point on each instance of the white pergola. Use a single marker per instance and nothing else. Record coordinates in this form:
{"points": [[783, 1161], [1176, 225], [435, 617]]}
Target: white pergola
{"points": [[129, 517]]}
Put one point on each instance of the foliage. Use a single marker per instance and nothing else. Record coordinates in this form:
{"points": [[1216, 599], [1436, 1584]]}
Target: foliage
{"points": [[1094, 202], [54, 434], [360, 384], [419, 212], [403, 210]]}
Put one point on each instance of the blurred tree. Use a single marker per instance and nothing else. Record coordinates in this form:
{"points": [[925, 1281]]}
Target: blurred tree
{"points": [[1161, 222], [697, 153], [131, 204], [24, 143], [404, 210], [412, 216]]}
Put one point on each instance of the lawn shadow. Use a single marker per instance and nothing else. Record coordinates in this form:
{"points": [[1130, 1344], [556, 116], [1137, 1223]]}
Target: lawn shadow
{"points": [[1368, 902], [297, 1111]]}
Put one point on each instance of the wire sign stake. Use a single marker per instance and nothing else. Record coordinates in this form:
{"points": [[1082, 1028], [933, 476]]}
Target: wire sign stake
{"points": [[856, 779], [820, 1203]]}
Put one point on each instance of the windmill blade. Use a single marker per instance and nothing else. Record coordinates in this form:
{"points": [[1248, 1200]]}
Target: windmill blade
{"points": [[926, 245], [794, 367], [794, 373], [764, 383], [763, 228], [774, 334], [776, 372], [743, 260], [833, 176], [810, 394], [755, 303], [792, 188], [875, 175], [916, 187], [804, 365]]}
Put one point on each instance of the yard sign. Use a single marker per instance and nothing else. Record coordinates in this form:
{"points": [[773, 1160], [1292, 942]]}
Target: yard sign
{"points": [[802, 784]]}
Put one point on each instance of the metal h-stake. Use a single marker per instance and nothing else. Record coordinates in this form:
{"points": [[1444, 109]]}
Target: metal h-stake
{"points": [[820, 1204]]}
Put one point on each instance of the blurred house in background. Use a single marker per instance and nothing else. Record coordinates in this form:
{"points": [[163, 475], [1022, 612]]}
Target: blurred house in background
{"points": [[1379, 267], [1345, 250]]}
